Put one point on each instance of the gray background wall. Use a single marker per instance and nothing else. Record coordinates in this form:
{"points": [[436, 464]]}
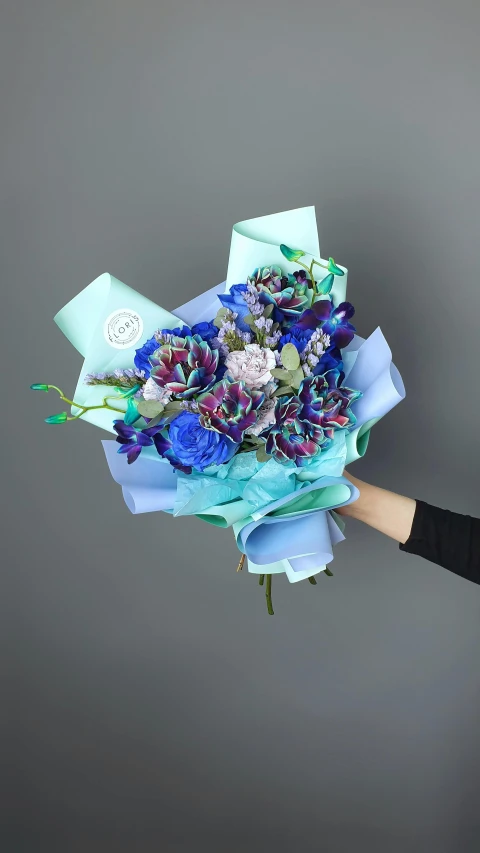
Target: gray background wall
{"points": [[152, 704]]}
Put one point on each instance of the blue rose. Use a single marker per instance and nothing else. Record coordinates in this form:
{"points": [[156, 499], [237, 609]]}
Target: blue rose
{"points": [[299, 339], [234, 301], [207, 331], [195, 446], [141, 359], [179, 331]]}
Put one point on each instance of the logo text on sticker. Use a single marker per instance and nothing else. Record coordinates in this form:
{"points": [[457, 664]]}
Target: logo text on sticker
{"points": [[123, 328]]}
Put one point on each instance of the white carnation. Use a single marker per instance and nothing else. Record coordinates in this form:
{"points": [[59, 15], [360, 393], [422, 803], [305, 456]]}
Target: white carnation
{"points": [[266, 417], [152, 391], [251, 365]]}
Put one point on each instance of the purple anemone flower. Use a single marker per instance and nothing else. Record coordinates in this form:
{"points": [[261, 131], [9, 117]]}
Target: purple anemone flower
{"points": [[230, 408], [290, 439], [184, 367], [281, 291], [325, 404]]}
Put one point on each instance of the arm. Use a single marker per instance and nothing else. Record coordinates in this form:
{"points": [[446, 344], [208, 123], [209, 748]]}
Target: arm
{"points": [[449, 539], [389, 513]]}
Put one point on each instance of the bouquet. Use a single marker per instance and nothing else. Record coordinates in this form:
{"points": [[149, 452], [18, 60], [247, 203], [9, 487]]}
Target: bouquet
{"points": [[243, 406]]}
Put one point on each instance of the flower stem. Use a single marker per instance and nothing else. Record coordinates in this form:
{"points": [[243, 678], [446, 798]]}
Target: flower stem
{"points": [[268, 595], [309, 270], [84, 409], [328, 573], [261, 579], [312, 581], [240, 565], [318, 264]]}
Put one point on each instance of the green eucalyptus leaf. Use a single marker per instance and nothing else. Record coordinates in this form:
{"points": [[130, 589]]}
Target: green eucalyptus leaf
{"points": [[156, 420], [150, 408], [222, 314], [291, 254], [280, 373], [267, 312], [173, 406], [284, 391], [168, 417], [262, 455], [252, 440], [332, 267], [290, 357], [296, 377]]}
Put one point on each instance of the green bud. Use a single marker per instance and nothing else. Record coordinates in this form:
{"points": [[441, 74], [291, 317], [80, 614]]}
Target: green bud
{"points": [[291, 254], [324, 286], [38, 386], [332, 267], [57, 419], [131, 415]]}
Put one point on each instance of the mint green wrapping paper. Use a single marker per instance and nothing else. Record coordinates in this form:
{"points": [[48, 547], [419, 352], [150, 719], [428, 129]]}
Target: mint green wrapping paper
{"points": [[282, 516]]}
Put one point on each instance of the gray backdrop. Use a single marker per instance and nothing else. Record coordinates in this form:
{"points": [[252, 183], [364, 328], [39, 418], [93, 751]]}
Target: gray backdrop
{"points": [[152, 704]]}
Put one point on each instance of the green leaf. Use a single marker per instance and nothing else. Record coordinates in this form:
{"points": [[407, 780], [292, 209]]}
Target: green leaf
{"points": [[268, 310], [173, 406], [280, 373], [296, 377], [284, 391], [167, 419], [222, 313], [262, 455], [250, 321], [150, 408], [332, 267], [291, 254], [156, 420], [290, 357], [324, 286], [251, 440]]}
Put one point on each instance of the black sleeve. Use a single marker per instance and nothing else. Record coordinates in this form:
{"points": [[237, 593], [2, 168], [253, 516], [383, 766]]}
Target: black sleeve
{"points": [[447, 538]]}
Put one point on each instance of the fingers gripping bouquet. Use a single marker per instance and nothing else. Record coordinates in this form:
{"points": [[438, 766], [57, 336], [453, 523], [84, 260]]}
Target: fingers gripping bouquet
{"points": [[244, 406]]}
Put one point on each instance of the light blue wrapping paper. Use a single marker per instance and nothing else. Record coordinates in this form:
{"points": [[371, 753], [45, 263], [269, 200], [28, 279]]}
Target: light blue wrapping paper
{"points": [[282, 516]]}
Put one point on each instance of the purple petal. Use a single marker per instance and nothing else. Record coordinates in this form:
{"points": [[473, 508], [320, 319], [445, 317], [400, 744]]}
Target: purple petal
{"points": [[143, 440], [133, 454], [344, 311], [341, 337], [322, 309]]}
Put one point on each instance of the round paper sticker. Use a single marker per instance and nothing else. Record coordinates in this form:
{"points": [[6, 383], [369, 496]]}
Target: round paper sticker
{"points": [[123, 328]]}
